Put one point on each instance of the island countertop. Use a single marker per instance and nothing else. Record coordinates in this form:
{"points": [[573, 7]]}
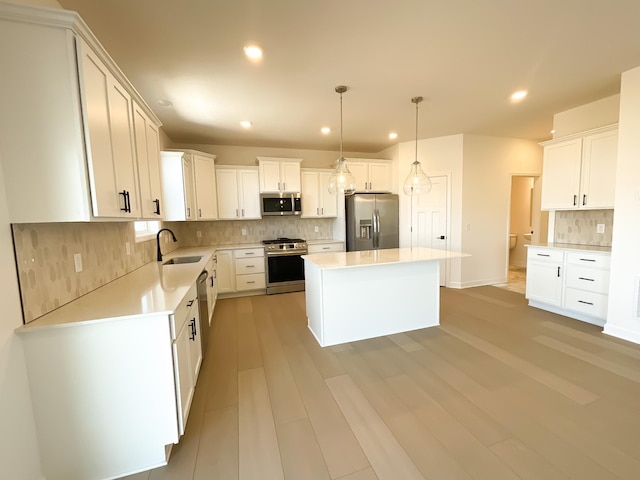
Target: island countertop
{"points": [[365, 258]]}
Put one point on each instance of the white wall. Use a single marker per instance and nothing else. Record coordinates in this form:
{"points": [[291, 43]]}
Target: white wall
{"points": [[587, 117], [19, 457], [623, 315], [488, 165]]}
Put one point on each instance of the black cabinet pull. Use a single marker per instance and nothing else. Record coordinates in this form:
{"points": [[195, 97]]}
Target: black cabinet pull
{"points": [[587, 279], [587, 260], [157, 210], [190, 303], [586, 303], [575, 200], [124, 194], [584, 199], [543, 254], [558, 272]]}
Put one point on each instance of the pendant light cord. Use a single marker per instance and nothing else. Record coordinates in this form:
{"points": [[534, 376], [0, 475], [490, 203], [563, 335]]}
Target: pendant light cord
{"points": [[416, 157], [341, 155]]}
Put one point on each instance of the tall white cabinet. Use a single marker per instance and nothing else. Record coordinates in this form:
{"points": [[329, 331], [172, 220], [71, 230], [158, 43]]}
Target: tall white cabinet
{"points": [[189, 185], [579, 171], [67, 126], [317, 202], [238, 190]]}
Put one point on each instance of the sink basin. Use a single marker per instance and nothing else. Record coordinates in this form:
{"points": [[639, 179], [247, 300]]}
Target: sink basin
{"points": [[180, 260]]}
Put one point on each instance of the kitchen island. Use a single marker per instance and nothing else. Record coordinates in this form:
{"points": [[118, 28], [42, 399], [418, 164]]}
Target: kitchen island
{"points": [[358, 295]]}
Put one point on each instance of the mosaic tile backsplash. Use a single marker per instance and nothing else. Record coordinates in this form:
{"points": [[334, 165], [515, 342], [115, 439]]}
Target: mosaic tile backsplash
{"points": [[45, 252], [578, 227]]}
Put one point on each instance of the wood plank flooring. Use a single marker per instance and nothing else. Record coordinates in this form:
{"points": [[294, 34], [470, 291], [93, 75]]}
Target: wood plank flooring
{"points": [[498, 391]]}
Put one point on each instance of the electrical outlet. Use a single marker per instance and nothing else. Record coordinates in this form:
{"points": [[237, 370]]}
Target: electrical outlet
{"points": [[127, 247], [316, 229], [77, 260], [198, 234], [468, 227], [244, 232], [600, 228]]}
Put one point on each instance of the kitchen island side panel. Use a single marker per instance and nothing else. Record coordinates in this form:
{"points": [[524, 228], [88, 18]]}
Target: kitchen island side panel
{"points": [[356, 303]]}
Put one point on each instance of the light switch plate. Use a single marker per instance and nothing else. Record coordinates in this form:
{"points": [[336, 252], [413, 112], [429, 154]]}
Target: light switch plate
{"points": [[244, 232], [127, 247], [600, 228]]}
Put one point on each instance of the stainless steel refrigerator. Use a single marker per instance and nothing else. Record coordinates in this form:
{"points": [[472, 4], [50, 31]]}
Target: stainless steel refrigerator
{"points": [[372, 221]]}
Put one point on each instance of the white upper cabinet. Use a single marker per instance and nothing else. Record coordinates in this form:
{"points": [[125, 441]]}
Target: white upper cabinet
{"points": [[189, 185], [238, 190], [371, 175], [279, 174], [315, 196], [148, 155], [579, 172], [76, 159]]}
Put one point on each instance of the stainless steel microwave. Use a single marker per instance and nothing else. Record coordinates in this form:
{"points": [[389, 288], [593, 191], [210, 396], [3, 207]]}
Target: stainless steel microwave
{"points": [[280, 204]]}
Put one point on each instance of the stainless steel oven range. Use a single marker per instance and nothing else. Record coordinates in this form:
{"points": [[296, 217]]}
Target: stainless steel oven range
{"points": [[285, 266]]}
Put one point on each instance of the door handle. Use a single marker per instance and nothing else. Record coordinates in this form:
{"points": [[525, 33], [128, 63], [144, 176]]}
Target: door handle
{"points": [[441, 237]]}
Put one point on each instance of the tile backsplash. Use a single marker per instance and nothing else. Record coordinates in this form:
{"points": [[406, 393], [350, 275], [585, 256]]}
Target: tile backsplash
{"points": [[45, 252], [580, 227]]}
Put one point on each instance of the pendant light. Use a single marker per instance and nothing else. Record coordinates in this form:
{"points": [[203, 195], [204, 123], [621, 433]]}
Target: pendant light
{"points": [[417, 181], [341, 179]]}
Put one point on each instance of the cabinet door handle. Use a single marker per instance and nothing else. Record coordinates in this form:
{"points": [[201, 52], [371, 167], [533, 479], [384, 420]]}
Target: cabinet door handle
{"points": [[543, 254], [190, 303], [317, 211], [284, 186], [575, 200], [251, 266], [188, 212], [322, 210], [584, 199], [587, 279], [587, 260], [157, 210], [251, 281], [199, 213], [587, 303], [249, 253], [278, 185], [326, 248], [243, 212], [124, 201], [558, 272]]}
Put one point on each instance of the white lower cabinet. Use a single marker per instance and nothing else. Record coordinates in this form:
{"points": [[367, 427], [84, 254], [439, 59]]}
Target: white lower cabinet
{"points": [[241, 271], [110, 396], [326, 247], [187, 354], [574, 283]]}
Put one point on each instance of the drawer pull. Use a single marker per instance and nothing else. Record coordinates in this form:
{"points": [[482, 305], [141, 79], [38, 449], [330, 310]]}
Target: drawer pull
{"points": [[326, 248], [543, 254], [587, 260], [587, 279], [251, 281], [249, 253], [587, 303], [251, 266]]}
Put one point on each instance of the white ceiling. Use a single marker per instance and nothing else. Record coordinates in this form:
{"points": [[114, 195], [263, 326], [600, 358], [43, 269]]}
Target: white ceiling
{"points": [[465, 57]]}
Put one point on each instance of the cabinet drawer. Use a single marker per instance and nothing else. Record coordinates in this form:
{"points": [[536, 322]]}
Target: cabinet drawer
{"points": [[250, 282], [594, 304], [589, 259], [181, 313], [326, 247], [544, 254], [590, 279], [249, 265], [248, 253]]}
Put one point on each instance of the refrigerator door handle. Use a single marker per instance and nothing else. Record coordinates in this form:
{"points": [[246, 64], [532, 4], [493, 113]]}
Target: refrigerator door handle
{"points": [[376, 228]]}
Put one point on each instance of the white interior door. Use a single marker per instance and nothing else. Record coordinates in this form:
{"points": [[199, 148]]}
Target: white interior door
{"points": [[432, 220]]}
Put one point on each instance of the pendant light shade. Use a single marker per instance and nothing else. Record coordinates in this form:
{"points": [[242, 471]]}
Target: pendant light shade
{"points": [[341, 179], [417, 181]]}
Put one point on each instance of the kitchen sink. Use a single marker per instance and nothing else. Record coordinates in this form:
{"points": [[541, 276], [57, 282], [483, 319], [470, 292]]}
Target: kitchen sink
{"points": [[180, 260]]}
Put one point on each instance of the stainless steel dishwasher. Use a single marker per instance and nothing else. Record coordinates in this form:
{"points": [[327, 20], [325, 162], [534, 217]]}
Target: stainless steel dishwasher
{"points": [[203, 306]]}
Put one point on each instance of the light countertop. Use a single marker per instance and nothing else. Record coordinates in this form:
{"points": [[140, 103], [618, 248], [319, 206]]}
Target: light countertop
{"points": [[572, 247], [366, 258], [152, 289]]}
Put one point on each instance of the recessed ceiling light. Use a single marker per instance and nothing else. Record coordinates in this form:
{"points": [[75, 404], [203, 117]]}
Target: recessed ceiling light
{"points": [[393, 135], [246, 123], [163, 102], [519, 95], [253, 52], [325, 130]]}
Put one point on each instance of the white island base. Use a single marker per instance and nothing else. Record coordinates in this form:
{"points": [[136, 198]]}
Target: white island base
{"points": [[358, 295]]}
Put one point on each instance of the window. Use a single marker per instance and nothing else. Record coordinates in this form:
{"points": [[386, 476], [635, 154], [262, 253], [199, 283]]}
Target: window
{"points": [[146, 230]]}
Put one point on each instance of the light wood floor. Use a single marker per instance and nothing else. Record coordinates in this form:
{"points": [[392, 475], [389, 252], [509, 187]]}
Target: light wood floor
{"points": [[498, 391]]}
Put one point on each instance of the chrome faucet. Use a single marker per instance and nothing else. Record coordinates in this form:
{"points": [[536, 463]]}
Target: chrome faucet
{"points": [[158, 240]]}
